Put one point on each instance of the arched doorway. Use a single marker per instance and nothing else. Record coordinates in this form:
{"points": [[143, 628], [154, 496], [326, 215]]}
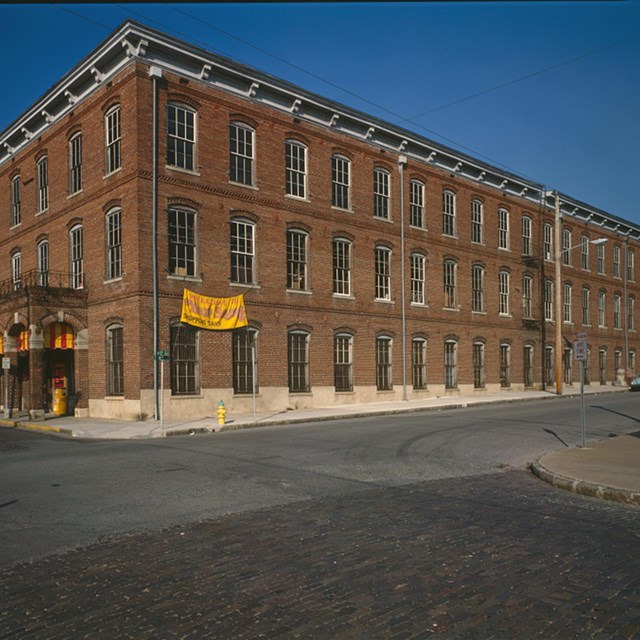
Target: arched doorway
{"points": [[18, 338], [58, 360]]}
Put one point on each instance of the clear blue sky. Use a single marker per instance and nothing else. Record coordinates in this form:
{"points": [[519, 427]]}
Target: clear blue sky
{"points": [[575, 127]]}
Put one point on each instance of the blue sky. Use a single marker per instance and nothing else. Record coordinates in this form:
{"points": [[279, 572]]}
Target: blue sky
{"points": [[574, 127]]}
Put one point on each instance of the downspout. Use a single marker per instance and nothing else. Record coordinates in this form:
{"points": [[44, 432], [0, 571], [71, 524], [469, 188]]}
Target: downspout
{"points": [[402, 163], [155, 73]]}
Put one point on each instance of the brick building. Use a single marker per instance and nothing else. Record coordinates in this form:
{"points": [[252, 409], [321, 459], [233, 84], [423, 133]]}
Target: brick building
{"points": [[154, 165]]}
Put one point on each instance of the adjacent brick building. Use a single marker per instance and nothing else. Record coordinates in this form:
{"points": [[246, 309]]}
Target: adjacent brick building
{"points": [[308, 208]]}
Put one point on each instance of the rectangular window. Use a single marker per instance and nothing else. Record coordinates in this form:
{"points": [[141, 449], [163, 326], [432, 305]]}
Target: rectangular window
{"points": [[382, 273], [586, 303], [601, 260], [503, 229], [503, 293], [181, 137], [182, 243], [384, 380], [115, 362], [631, 272], [343, 363], [114, 245], [295, 169], [526, 236], [450, 365], [566, 247], [548, 242], [449, 284], [478, 365], [631, 315], [75, 164], [477, 215], [617, 319], [340, 181], [584, 253], [43, 184], [419, 363], [477, 288], [16, 271], [112, 133], [548, 301], [185, 365], [76, 255], [601, 308], [381, 180], [567, 362], [43, 264], [241, 154], [549, 366], [602, 366], [448, 213], [297, 260], [566, 303], [527, 296], [416, 204], [505, 365], [341, 267], [242, 252], [616, 261], [244, 361], [298, 362], [528, 365], [15, 201], [417, 278]]}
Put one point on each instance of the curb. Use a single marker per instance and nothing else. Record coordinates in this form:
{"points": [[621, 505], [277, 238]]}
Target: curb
{"points": [[32, 426], [583, 487]]}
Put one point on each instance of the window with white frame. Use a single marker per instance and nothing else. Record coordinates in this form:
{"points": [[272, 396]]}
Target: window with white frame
{"points": [[586, 306], [450, 364], [505, 365], [182, 242], [343, 362], [75, 164], [185, 360], [448, 213], [617, 315], [416, 204], [419, 363], [477, 288], [16, 270], [381, 180], [548, 242], [584, 253], [616, 261], [298, 361], [566, 302], [418, 278], [449, 284], [631, 261], [478, 365], [503, 229], [527, 296], [241, 153], [295, 169], [243, 251], [566, 247], [477, 221], [297, 260], [113, 157], [115, 360], [548, 301], [42, 174], [16, 214], [601, 259], [245, 360], [631, 313], [384, 372], [382, 270], [503, 293], [113, 233], [602, 298], [181, 137], [340, 182], [526, 236], [527, 361], [341, 267], [76, 256], [43, 263]]}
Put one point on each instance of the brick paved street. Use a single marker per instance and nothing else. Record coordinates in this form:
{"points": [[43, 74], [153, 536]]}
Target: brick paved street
{"points": [[492, 556]]}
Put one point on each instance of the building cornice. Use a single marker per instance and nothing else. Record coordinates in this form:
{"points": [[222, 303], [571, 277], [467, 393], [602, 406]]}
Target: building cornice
{"points": [[133, 41]]}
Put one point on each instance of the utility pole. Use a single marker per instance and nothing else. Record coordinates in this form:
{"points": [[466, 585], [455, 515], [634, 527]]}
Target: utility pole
{"points": [[558, 293]]}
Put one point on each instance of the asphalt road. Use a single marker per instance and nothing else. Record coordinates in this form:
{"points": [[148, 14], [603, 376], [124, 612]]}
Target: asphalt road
{"points": [[57, 493]]}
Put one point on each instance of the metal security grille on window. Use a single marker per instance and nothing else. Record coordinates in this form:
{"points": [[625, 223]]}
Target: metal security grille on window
{"points": [[381, 194], [116, 362], [181, 136], [296, 168], [342, 364], [296, 261], [383, 365], [184, 361], [298, 363], [113, 140], [182, 243], [242, 253], [419, 364], [241, 150], [341, 267], [505, 365], [244, 343], [450, 365], [340, 183], [478, 366]]}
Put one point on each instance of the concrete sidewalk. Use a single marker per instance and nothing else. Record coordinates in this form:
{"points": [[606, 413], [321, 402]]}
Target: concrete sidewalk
{"points": [[608, 469]]}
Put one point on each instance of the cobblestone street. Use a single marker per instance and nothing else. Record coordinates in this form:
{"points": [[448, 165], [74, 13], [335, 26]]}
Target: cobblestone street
{"points": [[492, 556]]}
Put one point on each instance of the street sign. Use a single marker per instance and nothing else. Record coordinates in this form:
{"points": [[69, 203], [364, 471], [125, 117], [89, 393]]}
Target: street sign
{"points": [[162, 355], [6, 363], [580, 347]]}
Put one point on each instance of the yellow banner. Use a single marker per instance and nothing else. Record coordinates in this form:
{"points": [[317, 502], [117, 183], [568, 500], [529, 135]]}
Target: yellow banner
{"points": [[213, 313]]}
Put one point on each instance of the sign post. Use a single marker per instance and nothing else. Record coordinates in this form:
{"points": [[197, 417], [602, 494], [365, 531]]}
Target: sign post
{"points": [[162, 356], [6, 365], [580, 353]]}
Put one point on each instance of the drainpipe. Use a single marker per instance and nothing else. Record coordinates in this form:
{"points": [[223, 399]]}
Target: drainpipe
{"points": [[402, 163], [625, 274], [155, 73]]}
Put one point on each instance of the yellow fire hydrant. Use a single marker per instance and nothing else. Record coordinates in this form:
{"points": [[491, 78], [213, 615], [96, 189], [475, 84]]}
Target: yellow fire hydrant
{"points": [[222, 412]]}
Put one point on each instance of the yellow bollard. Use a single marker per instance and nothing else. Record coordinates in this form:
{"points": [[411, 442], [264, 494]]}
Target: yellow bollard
{"points": [[222, 412]]}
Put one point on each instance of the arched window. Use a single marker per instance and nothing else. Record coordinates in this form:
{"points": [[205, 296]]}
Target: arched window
{"points": [[477, 221], [416, 204], [451, 364], [381, 193], [181, 136], [526, 236], [343, 361], [478, 365], [241, 153], [297, 260], [340, 182], [16, 214], [298, 358], [448, 213], [115, 360], [112, 139], [245, 360], [243, 251], [42, 174], [503, 229], [75, 164], [43, 263], [419, 363], [449, 272], [113, 236], [76, 256], [185, 360], [182, 239], [295, 169], [384, 362], [342, 267], [382, 267], [418, 278]]}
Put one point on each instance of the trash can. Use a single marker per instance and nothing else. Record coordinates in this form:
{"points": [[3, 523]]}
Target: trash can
{"points": [[60, 402]]}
